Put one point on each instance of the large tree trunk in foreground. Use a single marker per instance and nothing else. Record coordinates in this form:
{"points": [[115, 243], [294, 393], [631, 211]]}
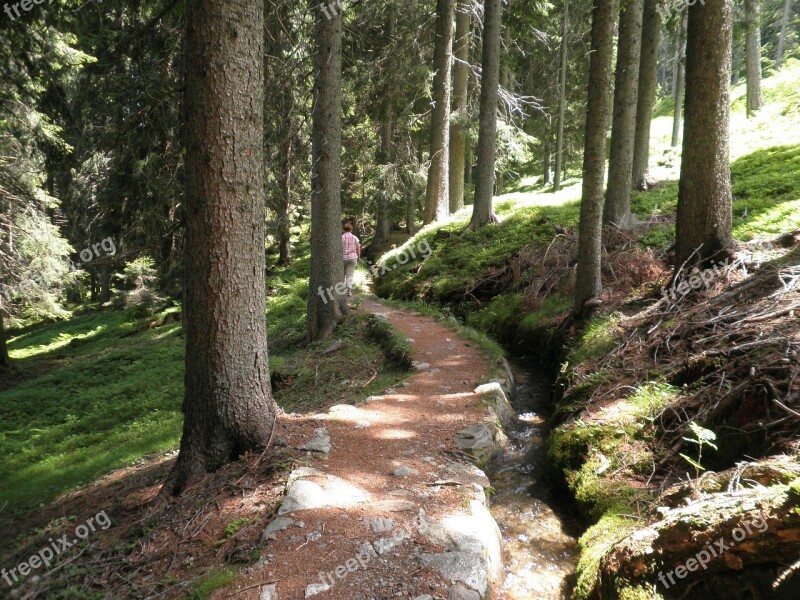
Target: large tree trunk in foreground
{"points": [[326, 307], [648, 75], [562, 98], [623, 130], [5, 360], [752, 23], [678, 94], [228, 403], [589, 283], [487, 126], [704, 199], [437, 195], [458, 128], [782, 36]]}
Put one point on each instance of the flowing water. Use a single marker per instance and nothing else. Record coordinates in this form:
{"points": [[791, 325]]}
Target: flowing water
{"points": [[539, 533]]}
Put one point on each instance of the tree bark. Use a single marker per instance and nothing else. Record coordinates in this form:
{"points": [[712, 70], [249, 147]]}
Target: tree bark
{"points": [[787, 7], [487, 127], [680, 79], [382, 221], [588, 283], [5, 360], [228, 402], [562, 99], [623, 129], [703, 230], [326, 307], [752, 22], [458, 126], [648, 75], [437, 197]]}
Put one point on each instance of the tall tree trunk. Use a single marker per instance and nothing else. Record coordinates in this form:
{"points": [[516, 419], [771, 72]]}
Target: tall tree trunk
{"points": [[648, 74], [588, 283], [546, 158], [437, 196], [487, 127], [326, 307], [752, 23], [623, 129], [228, 402], [680, 79], [704, 198], [458, 126], [383, 223], [279, 114], [5, 360], [562, 98], [787, 7]]}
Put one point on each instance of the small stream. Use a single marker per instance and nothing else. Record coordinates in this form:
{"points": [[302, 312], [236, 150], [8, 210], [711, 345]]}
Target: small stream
{"points": [[539, 533]]}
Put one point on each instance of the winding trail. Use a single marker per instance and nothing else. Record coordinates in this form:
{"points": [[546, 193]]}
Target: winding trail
{"points": [[356, 494]]}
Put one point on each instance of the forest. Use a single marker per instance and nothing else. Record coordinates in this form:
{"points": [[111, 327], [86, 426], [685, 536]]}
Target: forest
{"points": [[361, 299]]}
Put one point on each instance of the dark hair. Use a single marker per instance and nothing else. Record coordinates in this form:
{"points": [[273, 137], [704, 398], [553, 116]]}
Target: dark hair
{"points": [[348, 227]]}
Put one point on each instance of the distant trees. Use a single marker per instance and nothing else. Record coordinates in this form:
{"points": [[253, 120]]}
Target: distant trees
{"points": [[326, 310], [588, 282], [703, 230], [787, 8], [5, 360], [437, 196], [487, 128], [562, 100], [228, 405], [752, 22]]}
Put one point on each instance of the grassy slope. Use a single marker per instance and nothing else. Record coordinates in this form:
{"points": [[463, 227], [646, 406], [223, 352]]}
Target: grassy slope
{"points": [[99, 391]]}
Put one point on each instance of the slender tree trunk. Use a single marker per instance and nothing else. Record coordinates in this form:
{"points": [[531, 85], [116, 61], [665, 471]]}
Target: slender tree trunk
{"points": [[5, 360], [680, 78], [467, 168], [437, 196], [411, 211], [787, 8], [648, 73], [562, 99], [752, 21], [284, 214], [588, 283], [383, 222], [326, 306], [623, 130], [458, 126], [487, 127], [704, 197], [546, 158], [228, 403]]}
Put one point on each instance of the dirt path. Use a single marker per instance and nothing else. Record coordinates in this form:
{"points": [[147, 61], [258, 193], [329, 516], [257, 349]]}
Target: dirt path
{"points": [[384, 458]]}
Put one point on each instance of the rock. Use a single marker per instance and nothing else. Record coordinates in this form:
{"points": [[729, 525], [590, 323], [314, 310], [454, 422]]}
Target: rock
{"points": [[404, 472], [309, 488], [460, 592], [483, 440], [405, 384], [395, 506], [420, 366], [495, 398], [316, 588], [423, 597], [372, 399], [269, 592], [321, 442], [462, 474], [276, 525], [381, 524], [384, 545], [459, 566], [337, 345]]}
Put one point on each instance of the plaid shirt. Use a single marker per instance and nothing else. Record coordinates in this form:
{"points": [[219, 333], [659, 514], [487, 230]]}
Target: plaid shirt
{"points": [[349, 246]]}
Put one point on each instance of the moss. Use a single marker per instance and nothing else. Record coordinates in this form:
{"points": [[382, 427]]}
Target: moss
{"points": [[594, 544], [206, 585], [396, 348], [639, 592], [597, 339]]}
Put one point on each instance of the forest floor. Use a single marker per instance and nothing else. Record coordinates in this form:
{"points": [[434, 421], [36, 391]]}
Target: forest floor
{"points": [[212, 542]]}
